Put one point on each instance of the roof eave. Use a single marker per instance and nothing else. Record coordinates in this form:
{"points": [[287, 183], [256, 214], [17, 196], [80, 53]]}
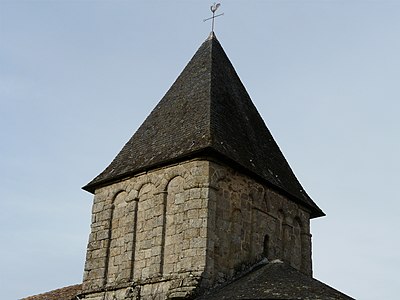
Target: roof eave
{"points": [[92, 186], [208, 153]]}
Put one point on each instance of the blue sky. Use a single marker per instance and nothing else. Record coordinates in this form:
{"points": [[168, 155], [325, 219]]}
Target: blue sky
{"points": [[77, 78]]}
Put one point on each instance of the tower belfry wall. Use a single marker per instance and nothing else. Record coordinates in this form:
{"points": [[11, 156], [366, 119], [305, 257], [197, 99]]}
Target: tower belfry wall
{"points": [[149, 233], [249, 213], [181, 229]]}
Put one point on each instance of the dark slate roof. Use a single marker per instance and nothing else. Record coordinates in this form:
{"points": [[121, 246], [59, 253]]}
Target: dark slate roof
{"points": [[207, 110], [276, 280], [65, 293]]}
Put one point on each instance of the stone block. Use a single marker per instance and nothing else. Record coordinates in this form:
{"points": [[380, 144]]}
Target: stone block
{"points": [[145, 272], [103, 215], [96, 263], [147, 253], [179, 199], [190, 252], [156, 241], [178, 218], [115, 251], [193, 204], [191, 233], [96, 273], [197, 223], [202, 213], [193, 214], [102, 235], [99, 253], [139, 264], [198, 242], [97, 207], [195, 193]]}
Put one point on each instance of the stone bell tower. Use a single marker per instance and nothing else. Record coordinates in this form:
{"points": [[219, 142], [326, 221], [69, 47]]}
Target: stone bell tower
{"points": [[199, 194]]}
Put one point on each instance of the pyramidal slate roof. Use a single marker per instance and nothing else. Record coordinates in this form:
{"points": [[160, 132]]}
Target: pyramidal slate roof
{"points": [[207, 111]]}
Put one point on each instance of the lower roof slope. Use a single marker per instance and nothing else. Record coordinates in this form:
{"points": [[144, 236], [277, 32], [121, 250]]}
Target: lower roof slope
{"points": [[273, 281], [207, 110], [65, 293]]}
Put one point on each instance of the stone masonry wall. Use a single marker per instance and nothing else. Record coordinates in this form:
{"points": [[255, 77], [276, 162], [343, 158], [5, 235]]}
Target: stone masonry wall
{"points": [[249, 221], [165, 233], [149, 233]]}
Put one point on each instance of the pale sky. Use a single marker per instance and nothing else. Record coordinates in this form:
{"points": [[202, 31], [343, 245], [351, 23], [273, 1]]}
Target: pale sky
{"points": [[77, 78]]}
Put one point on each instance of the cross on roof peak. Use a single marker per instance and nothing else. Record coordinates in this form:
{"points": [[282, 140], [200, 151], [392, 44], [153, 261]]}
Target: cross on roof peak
{"points": [[213, 9]]}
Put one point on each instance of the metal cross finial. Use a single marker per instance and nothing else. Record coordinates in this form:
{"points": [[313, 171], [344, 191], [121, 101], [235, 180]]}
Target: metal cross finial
{"points": [[213, 8]]}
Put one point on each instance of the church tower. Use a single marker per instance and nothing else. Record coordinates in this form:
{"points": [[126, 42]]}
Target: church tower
{"points": [[200, 194]]}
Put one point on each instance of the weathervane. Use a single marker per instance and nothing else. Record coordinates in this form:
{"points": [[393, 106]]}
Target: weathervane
{"points": [[213, 8]]}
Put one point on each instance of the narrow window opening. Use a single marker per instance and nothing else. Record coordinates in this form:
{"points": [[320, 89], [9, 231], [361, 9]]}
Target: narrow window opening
{"points": [[266, 246]]}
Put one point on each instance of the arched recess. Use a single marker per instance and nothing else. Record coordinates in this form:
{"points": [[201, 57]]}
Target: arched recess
{"points": [[222, 216], [118, 259], [148, 226], [287, 238], [261, 222], [174, 239], [266, 248], [236, 233], [280, 234], [218, 175], [297, 243]]}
